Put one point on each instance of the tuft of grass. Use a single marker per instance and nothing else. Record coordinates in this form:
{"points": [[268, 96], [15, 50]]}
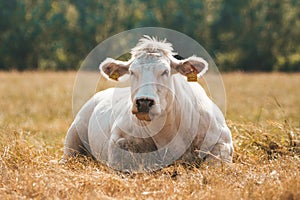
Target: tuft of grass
{"points": [[263, 115]]}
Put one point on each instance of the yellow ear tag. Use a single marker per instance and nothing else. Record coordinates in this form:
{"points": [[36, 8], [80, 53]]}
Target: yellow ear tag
{"points": [[192, 77], [115, 75]]}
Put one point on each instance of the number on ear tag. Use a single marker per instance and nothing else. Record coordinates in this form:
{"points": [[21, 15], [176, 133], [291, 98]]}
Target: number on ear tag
{"points": [[115, 75], [192, 77]]}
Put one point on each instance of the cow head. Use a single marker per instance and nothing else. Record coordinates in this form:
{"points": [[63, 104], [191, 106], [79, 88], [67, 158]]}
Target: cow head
{"points": [[152, 89]]}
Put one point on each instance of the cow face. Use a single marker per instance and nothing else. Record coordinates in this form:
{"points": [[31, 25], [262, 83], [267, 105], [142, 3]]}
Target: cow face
{"points": [[152, 91], [151, 85]]}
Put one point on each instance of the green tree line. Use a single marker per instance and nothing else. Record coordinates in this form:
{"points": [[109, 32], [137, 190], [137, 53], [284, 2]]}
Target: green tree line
{"points": [[248, 35]]}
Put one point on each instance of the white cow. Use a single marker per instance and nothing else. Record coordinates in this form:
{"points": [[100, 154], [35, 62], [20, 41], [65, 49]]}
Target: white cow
{"points": [[160, 118]]}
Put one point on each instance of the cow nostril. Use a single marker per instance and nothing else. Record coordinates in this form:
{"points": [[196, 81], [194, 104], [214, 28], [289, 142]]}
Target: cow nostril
{"points": [[144, 105], [151, 102]]}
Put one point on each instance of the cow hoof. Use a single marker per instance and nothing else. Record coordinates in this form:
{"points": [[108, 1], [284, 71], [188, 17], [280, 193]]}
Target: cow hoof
{"points": [[63, 161]]}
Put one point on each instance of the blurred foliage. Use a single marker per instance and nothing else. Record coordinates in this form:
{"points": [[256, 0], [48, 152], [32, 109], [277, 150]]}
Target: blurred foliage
{"points": [[249, 35]]}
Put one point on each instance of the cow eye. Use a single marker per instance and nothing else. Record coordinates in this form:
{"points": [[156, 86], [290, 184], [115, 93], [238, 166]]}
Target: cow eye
{"points": [[165, 73], [131, 72]]}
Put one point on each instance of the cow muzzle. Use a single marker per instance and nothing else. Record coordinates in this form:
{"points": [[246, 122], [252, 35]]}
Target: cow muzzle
{"points": [[143, 108], [144, 105]]}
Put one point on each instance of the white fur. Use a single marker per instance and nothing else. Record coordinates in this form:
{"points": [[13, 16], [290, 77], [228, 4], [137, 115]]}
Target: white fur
{"points": [[148, 44]]}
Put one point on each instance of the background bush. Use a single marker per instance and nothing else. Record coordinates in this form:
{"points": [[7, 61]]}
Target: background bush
{"points": [[248, 35]]}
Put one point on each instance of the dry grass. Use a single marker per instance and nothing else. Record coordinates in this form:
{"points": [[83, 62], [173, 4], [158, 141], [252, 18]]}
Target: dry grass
{"points": [[263, 114]]}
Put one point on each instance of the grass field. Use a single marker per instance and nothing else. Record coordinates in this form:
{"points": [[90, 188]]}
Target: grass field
{"points": [[263, 113]]}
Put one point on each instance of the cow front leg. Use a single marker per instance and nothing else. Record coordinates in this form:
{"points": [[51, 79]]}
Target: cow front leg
{"points": [[136, 145], [130, 153], [118, 156]]}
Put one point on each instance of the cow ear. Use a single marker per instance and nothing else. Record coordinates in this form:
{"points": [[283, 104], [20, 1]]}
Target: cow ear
{"points": [[113, 69], [191, 67]]}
